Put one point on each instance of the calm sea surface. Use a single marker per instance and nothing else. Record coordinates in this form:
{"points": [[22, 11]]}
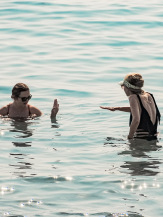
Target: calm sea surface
{"points": [[77, 51]]}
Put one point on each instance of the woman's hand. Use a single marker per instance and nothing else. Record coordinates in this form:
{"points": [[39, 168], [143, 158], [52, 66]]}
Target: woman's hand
{"points": [[55, 109], [108, 108]]}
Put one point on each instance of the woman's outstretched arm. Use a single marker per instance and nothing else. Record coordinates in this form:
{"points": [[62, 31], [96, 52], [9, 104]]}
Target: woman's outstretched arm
{"points": [[123, 109]]}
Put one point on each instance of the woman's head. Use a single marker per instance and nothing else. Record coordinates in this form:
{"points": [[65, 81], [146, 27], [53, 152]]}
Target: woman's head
{"points": [[134, 82], [17, 89]]}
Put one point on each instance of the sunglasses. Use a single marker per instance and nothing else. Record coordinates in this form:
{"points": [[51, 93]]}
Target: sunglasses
{"points": [[24, 99]]}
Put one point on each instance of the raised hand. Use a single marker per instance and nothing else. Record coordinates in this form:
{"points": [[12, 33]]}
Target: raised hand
{"points": [[55, 109]]}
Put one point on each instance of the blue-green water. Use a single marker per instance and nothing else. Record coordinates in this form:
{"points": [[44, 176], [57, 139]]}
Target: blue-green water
{"points": [[77, 51]]}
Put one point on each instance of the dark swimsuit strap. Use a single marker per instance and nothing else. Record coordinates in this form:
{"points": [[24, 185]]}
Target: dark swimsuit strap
{"points": [[157, 111], [141, 104], [29, 111]]}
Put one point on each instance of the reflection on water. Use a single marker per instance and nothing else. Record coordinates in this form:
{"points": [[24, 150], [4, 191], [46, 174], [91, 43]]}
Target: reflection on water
{"points": [[21, 135], [140, 149], [22, 144], [101, 214], [21, 126], [21, 130], [54, 123], [21, 164]]}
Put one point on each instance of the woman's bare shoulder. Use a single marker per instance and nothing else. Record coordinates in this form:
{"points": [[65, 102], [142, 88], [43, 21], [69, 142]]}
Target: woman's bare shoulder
{"points": [[34, 110], [132, 97], [5, 109], [133, 100]]}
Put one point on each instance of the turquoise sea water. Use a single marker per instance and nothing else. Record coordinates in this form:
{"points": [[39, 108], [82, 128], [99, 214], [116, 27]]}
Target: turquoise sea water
{"points": [[77, 52]]}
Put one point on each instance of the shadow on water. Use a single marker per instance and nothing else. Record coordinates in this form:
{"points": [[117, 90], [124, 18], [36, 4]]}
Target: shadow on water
{"points": [[145, 164]]}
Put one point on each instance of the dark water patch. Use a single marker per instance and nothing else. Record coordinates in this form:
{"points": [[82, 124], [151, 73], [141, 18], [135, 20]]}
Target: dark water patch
{"points": [[22, 144], [10, 215], [31, 77], [114, 141], [17, 65], [70, 214], [68, 30], [32, 19], [17, 154], [15, 48], [34, 3], [106, 58], [22, 175], [102, 214], [5, 89], [26, 134], [144, 9], [94, 182], [134, 214], [114, 44], [73, 93], [116, 214], [88, 44], [44, 53], [130, 199], [127, 43], [146, 24], [88, 13], [141, 168], [43, 3], [48, 179], [52, 16], [24, 166], [117, 43], [157, 57], [42, 34], [10, 11], [159, 15]]}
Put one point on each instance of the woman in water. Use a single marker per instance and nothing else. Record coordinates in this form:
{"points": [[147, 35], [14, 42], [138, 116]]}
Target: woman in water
{"points": [[20, 108], [144, 113]]}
